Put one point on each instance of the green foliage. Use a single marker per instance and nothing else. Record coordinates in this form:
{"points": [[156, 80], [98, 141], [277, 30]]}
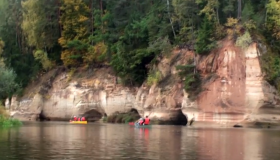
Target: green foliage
{"points": [[233, 28], [161, 45], [7, 122], [271, 66], [248, 11], [192, 81], [273, 23], [74, 36], [228, 8], [95, 53], [153, 78], [40, 23], [244, 41], [8, 86], [123, 117], [16, 55], [128, 35], [205, 39], [2, 44], [210, 8], [42, 56]]}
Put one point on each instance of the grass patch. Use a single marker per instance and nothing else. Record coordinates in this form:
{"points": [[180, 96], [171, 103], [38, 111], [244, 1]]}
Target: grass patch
{"points": [[8, 122]]}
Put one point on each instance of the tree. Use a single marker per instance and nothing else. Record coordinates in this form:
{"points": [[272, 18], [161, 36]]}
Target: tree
{"points": [[210, 9], [8, 86], [40, 24], [75, 31], [17, 54], [273, 23], [205, 39], [186, 16], [7, 79]]}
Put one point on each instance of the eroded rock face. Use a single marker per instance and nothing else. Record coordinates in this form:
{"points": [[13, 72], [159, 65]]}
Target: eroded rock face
{"points": [[236, 91], [233, 90]]}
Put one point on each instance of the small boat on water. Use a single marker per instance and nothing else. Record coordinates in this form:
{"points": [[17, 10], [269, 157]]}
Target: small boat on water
{"points": [[137, 125], [78, 122]]}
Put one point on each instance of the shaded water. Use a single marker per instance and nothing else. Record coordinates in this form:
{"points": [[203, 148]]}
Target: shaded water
{"points": [[60, 140]]}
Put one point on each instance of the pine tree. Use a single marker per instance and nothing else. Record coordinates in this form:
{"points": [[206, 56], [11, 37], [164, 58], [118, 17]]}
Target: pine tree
{"points": [[205, 40]]}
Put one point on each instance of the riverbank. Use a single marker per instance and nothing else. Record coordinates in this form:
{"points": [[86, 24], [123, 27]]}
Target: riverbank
{"points": [[8, 122]]}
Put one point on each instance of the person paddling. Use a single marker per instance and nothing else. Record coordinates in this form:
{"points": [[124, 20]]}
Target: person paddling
{"points": [[75, 118], [147, 121], [141, 121], [83, 119]]}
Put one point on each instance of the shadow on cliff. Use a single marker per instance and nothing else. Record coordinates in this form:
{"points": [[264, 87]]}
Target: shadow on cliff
{"points": [[93, 115]]}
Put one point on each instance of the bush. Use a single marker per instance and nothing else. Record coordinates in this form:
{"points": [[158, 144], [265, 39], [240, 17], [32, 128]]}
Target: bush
{"points": [[192, 81], [123, 118], [153, 78], [8, 86], [244, 41], [7, 122], [42, 57], [271, 66]]}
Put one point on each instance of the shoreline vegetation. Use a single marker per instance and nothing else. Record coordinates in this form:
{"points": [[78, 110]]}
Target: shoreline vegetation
{"points": [[121, 118], [6, 122]]}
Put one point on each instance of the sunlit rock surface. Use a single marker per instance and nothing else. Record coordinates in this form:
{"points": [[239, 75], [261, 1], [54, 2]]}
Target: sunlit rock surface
{"points": [[233, 90], [236, 91]]}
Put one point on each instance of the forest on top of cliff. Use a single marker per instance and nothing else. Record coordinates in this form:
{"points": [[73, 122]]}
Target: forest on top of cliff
{"points": [[128, 35]]}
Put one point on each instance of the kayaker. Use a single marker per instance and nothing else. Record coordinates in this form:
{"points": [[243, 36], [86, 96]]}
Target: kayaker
{"points": [[147, 121], [141, 121], [75, 118], [83, 119]]}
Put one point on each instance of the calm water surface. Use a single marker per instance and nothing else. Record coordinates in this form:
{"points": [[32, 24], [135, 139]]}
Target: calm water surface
{"points": [[97, 141]]}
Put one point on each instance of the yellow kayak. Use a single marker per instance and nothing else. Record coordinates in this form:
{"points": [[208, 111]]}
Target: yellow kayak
{"points": [[78, 122]]}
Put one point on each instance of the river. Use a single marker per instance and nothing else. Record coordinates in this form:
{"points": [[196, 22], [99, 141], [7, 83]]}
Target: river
{"points": [[98, 141]]}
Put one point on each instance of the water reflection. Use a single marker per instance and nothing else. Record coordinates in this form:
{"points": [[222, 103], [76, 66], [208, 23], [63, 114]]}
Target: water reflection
{"points": [[58, 141]]}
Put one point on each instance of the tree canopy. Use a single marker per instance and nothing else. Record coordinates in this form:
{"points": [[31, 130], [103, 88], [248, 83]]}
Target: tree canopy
{"points": [[127, 35]]}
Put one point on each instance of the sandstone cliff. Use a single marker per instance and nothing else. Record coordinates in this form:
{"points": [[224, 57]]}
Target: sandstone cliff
{"points": [[233, 90]]}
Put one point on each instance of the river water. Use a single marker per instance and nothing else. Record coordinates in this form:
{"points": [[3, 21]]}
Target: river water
{"points": [[98, 141]]}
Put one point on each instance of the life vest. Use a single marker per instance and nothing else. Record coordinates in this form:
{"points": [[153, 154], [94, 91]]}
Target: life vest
{"points": [[147, 121], [83, 119], [75, 118]]}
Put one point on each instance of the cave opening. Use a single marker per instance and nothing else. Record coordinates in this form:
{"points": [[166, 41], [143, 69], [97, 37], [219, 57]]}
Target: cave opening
{"points": [[42, 117], [93, 115]]}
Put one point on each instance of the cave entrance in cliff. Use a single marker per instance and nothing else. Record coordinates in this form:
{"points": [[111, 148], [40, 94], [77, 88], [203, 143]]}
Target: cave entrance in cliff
{"points": [[93, 115], [41, 117], [134, 111]]}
